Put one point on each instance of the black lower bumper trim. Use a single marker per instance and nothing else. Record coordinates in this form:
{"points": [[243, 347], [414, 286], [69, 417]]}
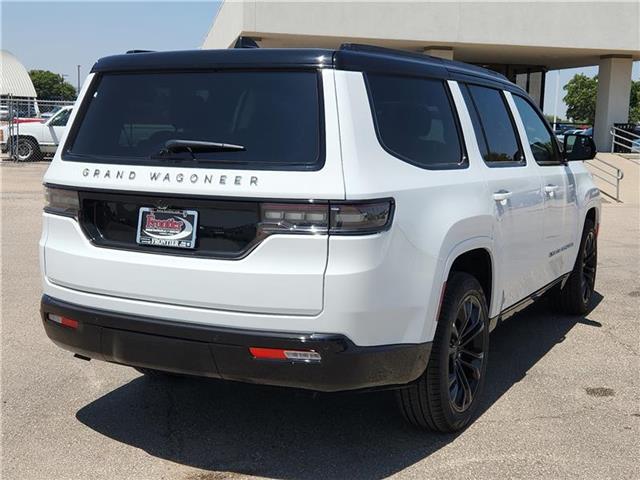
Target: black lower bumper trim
{"points": [[224, 353]]}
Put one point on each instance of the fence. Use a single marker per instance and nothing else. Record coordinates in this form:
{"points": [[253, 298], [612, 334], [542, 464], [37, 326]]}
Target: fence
{"points": [[625, 138], [23, 143]]}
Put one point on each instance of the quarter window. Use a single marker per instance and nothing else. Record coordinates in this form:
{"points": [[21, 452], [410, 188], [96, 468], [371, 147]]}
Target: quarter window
{"points": [[492, 116], [415, 121], [542, 142]]}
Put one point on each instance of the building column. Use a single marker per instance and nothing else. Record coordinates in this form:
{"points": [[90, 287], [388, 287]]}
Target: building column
{"points": [[612, 104], [440, 52]]}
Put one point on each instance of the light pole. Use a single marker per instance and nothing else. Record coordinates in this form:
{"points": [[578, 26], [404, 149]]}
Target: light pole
{"points": [[555, 103], [78, 79]]}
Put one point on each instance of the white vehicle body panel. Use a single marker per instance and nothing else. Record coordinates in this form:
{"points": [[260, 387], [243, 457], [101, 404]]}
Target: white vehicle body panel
{"points": [[296, 287], [376, 289]]}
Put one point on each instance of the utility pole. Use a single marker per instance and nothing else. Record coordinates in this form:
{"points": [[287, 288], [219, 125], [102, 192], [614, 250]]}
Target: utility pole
{"points": [[78, 79]]}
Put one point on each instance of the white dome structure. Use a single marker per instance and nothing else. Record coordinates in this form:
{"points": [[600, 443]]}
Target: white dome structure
{"points": [[14, 79]]}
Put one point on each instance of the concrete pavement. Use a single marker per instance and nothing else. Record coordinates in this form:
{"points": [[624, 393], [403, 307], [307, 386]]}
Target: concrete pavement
{"points": [[562, 398], [630, 183]]}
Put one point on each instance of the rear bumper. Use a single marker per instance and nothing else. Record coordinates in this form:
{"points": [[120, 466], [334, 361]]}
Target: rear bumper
{"points": [[224, 353]]}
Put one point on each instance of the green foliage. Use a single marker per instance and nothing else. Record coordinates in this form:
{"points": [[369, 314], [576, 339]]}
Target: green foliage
{"points": [[581, 98], [51, 86], [634, 102]]}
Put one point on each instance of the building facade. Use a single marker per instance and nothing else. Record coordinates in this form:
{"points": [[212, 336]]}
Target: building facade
{"points": [[521, 40]]}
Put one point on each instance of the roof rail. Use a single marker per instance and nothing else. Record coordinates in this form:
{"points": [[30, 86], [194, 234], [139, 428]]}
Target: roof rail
{"points": [[400, 54], [246, 42], [139, 51], [360, 47]]}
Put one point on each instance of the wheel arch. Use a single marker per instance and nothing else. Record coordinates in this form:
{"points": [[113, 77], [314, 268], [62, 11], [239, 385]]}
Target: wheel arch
{"points": [[592, 214], [477, 262], [476, 257]]}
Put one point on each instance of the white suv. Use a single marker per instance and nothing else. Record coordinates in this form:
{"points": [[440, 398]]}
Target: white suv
{"points": [[320, 219]]}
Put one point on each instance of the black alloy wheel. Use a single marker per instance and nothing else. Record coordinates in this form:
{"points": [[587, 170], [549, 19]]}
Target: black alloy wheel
{"points": [[466, 354], [589, 265], [575, 296], [445, 397]]}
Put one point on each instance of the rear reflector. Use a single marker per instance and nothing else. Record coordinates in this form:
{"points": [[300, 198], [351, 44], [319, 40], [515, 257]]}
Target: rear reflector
{"points": [[281, 354], [60, 320]]}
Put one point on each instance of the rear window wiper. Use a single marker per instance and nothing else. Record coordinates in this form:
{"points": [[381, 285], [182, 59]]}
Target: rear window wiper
{"points": [[194, 146]]}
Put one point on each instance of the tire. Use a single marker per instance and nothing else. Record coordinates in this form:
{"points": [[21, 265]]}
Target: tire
{"points": [[575, 297], [27, 150], [444, 398]]}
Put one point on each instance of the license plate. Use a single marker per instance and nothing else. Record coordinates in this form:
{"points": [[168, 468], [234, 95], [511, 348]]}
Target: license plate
{"points": [[167, 228]]}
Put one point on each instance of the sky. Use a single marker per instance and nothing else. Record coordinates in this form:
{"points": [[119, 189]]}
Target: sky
{"points": [[565, 76], [58, 36]]}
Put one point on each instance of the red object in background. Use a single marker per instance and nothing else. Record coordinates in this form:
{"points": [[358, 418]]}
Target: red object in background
{"points": [[29, 120]]}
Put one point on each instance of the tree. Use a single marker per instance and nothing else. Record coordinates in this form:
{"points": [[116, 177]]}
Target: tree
{"points": [[51, 86], [634, 102], [581, 98]]}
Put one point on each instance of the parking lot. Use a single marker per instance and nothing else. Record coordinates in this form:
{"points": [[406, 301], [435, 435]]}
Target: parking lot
{"points": [[562, 398]]}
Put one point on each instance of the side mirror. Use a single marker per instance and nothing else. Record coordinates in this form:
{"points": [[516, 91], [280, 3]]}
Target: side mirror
{"points": [[578, 147]]}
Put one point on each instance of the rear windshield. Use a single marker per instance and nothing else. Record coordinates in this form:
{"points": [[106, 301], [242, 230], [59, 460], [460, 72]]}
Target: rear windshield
{"points": [[275, 115]]}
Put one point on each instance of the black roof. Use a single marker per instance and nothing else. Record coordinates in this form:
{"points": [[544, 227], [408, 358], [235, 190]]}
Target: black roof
{"points": [[352, 57]]}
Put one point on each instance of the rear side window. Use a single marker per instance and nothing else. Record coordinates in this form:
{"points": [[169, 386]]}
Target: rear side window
{"points": [[542, 141], [275, 116], [415, 121], [492, 118], [475, 121]]}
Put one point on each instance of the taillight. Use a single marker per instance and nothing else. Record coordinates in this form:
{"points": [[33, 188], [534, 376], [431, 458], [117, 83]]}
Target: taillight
{"points": [[294, 218], [61, 201], [361, 218], [336, 218]]}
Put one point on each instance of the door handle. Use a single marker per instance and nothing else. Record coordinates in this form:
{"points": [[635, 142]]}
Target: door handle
{"points": [[502, 195], [551, 190]]}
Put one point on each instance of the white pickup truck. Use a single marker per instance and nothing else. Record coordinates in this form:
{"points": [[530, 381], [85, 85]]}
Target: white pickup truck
{"points": [[36, 139]]}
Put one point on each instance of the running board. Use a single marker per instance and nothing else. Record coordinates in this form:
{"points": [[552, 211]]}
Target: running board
{"points": [[525, 302]]}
